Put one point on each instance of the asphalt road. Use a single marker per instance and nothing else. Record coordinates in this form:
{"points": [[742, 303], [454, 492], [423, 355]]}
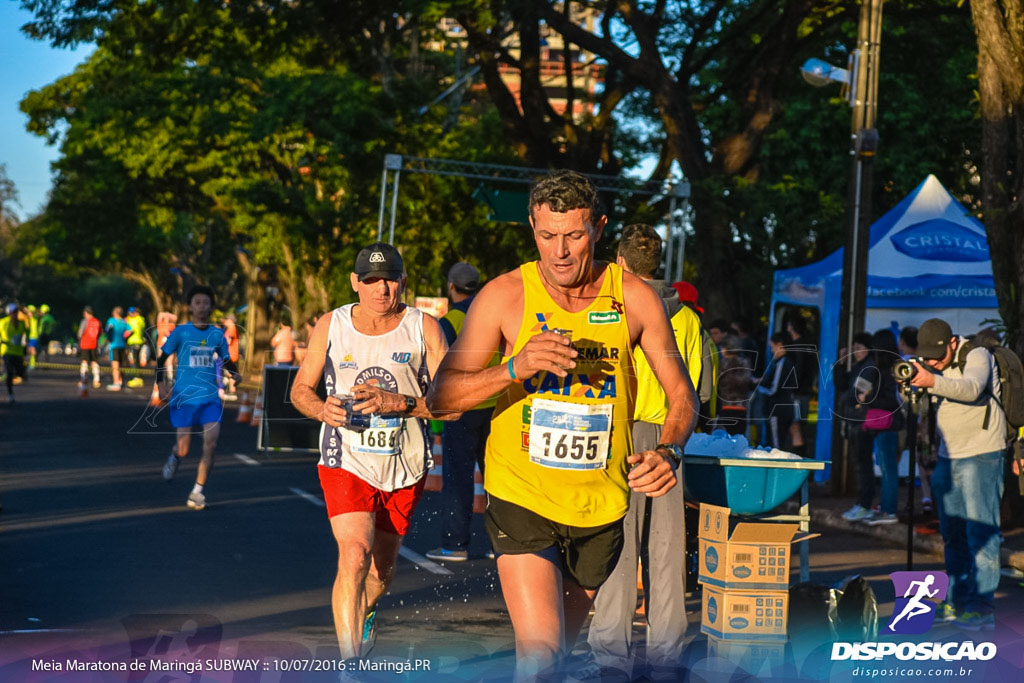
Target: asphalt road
{"points": [[101, 560]]}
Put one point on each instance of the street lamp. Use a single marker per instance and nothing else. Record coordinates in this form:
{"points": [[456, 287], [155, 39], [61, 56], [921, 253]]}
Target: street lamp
{"points": [[861, 82]]}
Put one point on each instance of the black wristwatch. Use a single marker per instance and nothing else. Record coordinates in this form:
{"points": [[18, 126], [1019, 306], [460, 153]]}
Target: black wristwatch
{"points": [[410, 404], [675, 452]]}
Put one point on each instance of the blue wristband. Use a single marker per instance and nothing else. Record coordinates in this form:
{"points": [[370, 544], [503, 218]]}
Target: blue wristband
{"points": [[511, 370]]}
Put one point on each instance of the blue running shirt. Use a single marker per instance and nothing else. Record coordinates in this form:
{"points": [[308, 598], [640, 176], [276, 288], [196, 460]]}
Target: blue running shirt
{"points": [[117, 329], [195, 374]]}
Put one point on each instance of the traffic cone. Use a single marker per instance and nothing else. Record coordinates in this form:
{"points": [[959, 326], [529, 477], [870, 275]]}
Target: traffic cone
{"points": [[257, 412], [154, 398], [479, 497], [244, 410], [434, 476], [83, 390]]}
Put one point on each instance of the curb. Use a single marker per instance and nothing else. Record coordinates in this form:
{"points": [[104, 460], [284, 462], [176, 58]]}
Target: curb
{"points": [[897, 534]]}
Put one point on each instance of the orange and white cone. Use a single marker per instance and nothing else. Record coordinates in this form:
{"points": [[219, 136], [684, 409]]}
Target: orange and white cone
{"points": [[479, 497], [257, 412], [244, 410], [154, 398], [434, 476]]}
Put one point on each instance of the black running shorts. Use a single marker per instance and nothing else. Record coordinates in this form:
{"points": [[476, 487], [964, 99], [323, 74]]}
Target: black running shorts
{"points": [[88, 355], [587, 555]]}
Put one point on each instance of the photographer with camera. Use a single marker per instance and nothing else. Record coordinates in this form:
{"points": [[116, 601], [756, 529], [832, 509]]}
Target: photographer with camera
{"points": [[968, 479]]}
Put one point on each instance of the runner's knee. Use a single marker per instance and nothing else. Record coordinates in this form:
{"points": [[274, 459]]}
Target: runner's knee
{"points": [[353, 558]]}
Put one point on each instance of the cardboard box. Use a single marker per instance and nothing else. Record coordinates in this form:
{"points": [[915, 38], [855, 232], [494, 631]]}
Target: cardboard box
{"points": [[755, 556], [755, 658], [744, 615]]}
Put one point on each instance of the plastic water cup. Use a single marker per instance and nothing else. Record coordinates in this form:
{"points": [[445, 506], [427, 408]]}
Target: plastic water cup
{"points": [[354, 420]]}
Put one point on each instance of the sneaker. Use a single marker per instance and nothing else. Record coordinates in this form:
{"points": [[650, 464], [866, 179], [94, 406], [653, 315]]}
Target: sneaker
{"points": [[171, 466], [876, 518], [230, 397], [369, 633], [856, 513], [136, 382], [490, 555], [445, 555], [113, 387], [196, 501], [975, 621], [944, 613], [589, 670], [96, 384]]}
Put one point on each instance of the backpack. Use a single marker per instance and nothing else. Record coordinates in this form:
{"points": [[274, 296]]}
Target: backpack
{"points": [[1011, 381]]}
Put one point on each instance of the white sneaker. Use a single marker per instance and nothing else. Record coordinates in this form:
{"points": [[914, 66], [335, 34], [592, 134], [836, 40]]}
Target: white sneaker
{"points": [[171, 466], [880, 518], [856, 513], [196, 501]]}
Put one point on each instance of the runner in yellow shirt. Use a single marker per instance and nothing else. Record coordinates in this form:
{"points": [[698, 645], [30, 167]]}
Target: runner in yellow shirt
{"points": [[13, 342], [560, 464]]}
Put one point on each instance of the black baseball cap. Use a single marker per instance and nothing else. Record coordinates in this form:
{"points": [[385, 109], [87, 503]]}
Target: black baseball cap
{"points": [[379, 260], [465, 277], [933, 339]]}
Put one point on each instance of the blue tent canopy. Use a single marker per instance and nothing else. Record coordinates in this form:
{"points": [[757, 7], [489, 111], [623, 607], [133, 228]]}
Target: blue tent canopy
{"points": [[927, 257]]}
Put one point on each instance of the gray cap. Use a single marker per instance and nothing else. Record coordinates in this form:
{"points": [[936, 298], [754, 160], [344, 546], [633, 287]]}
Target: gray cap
{"points": [[933, 339], [465, 277]]}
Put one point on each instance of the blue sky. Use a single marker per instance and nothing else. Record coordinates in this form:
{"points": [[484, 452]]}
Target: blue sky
{"points": [[27, 65]]}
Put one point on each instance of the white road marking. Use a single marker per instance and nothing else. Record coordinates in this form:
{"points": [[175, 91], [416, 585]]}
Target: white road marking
{"points": [[410, 555], [246, 459], [310, 498], [416, 558]]}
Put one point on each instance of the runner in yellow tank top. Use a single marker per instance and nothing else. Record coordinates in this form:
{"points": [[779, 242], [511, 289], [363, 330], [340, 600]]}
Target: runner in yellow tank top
{"points": [[559, 462]]}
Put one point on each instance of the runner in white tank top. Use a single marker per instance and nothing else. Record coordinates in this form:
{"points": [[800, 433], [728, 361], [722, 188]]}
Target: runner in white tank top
{"points": [[392, 452], [382, 353]]}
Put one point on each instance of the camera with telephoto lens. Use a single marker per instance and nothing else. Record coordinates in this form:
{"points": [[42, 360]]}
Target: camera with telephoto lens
{"points": [[904, 371]]}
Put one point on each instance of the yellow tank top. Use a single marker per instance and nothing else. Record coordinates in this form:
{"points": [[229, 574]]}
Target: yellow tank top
{"points": [[560, 477], [651, 402]]}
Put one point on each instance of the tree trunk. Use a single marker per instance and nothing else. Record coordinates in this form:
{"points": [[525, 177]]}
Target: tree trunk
{"points": [[148, 282], [1000, 71]]}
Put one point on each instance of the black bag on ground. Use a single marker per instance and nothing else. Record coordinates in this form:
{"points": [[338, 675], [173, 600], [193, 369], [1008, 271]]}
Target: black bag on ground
{"points": [[856, 611]]}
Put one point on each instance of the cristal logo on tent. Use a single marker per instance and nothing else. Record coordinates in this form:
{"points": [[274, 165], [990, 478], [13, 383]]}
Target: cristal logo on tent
{"points": [[917, 597]]}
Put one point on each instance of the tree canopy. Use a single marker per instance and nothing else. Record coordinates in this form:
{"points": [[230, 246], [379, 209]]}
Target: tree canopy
{"points": [[241, 143]]}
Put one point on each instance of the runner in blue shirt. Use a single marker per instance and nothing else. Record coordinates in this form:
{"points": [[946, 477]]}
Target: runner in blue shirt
{"points": [[194, 402], [117, 329]]}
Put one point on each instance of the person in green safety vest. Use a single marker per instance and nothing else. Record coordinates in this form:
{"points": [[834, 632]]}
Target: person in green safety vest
{"points": [[47, 326], [13, 342]]}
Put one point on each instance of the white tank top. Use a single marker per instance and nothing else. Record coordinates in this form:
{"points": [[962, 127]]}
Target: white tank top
{"points": [[392, 453]]}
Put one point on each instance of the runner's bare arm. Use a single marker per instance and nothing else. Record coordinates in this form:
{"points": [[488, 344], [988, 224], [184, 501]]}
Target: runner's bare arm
{"points": [[653, 471], [464, 380], [376, 400], [303, 393]]}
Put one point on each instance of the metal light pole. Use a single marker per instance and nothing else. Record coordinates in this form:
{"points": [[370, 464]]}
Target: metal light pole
{"points": [[863, 145], [861, 82]]}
